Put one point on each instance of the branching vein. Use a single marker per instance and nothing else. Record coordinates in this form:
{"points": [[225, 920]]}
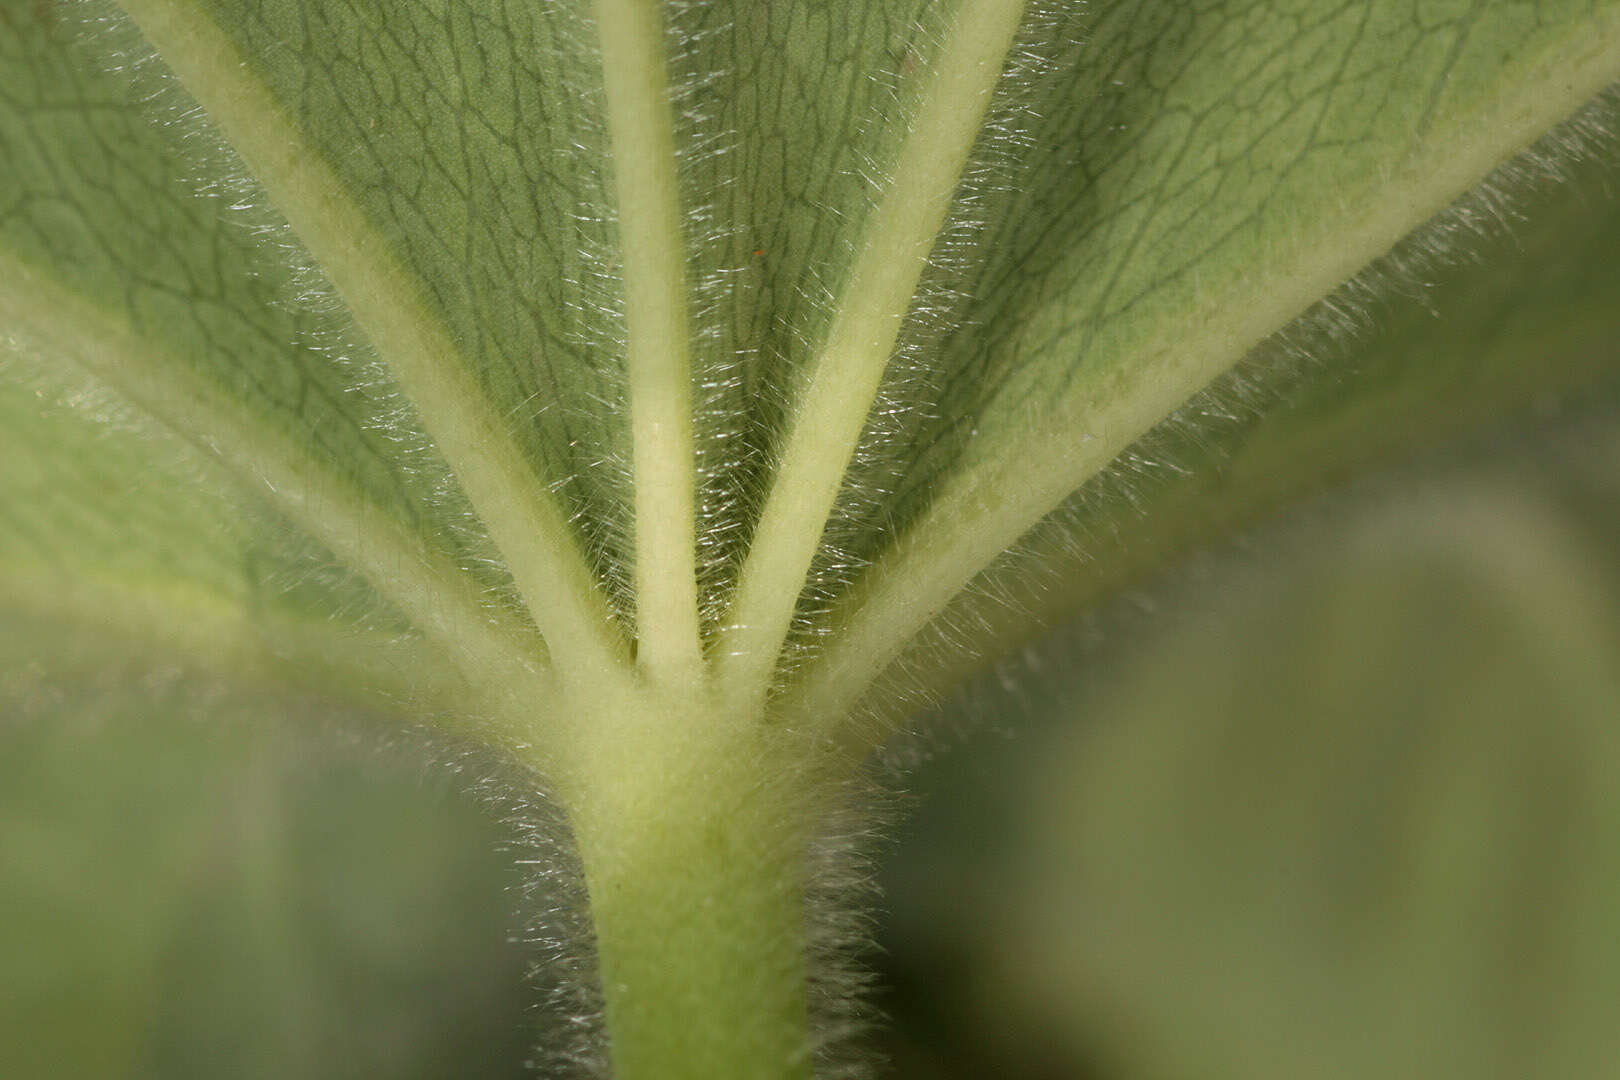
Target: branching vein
{"points": [[983, 508], [424, 585], [539, 546], [844, 379]]}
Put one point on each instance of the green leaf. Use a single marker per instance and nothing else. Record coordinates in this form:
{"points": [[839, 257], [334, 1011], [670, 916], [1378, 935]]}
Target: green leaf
{"points": [[652, 388], [544, 261], [462, 199], [114, 524]]}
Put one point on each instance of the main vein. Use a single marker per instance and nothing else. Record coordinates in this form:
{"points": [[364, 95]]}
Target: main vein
{"points": [[541, 552], [843, 381], [651, 245], [426, 587]]}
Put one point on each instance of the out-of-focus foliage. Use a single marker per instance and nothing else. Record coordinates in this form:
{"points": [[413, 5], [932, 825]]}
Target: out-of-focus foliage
{"points": [[203, 880], [1356, 817]]}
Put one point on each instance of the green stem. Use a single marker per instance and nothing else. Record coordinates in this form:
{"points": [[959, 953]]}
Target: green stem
{"points": [[695, 861]]}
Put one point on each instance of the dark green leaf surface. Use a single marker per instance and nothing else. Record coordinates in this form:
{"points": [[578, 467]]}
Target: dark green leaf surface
{"points": [[1205, 174]]}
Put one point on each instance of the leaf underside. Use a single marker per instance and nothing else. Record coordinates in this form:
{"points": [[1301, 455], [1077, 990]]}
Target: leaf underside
{"points": [[447, 353]]}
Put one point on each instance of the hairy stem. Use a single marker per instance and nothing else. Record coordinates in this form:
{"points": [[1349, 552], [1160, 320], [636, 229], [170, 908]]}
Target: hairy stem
{"points": [[693, 837]]}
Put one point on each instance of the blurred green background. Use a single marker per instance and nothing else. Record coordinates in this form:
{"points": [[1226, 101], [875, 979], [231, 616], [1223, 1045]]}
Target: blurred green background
{"points": [[208, 881], [1340, 797]]}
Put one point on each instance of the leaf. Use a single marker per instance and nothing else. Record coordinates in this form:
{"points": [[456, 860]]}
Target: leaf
{"points": [[542, 273], [632, 384]]}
